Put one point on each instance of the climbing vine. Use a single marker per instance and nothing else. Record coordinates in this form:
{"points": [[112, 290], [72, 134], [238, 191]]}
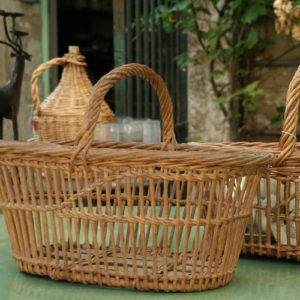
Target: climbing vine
{"points": [[233, 41]]}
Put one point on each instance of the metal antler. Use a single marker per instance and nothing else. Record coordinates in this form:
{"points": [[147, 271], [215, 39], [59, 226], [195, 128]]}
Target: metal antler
{"points": [[13, 36]]}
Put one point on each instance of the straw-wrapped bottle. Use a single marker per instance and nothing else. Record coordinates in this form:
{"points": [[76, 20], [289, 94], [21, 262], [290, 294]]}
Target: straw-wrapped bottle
{"points": [[60, 115]]}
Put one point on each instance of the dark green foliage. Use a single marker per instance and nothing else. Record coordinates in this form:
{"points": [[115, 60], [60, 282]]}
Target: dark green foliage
{"points": [[230, 33], [295, 2]]}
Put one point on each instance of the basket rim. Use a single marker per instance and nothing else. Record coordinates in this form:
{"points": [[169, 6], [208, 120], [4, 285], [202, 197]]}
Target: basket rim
{"points": [[140, 154], [272, 147]]}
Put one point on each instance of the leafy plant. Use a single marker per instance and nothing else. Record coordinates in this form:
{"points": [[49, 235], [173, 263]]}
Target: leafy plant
{"points": [[232, 37]]}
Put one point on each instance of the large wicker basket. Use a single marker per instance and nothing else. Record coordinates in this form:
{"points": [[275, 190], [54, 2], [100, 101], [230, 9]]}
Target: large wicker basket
{"points": [[59, 117], [274, 228], [146, 216]]}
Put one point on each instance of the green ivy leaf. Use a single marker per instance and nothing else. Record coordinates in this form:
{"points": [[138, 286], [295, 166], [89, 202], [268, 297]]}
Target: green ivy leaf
{"points": [[218, 73], [167, 26], [184, 59], [162, 11], [253, 13], [187, 25], [250, 103], [295, 2], [252, 38], [251, 87], [236, 4], [182, 5], [222, 99], [214, 54]]}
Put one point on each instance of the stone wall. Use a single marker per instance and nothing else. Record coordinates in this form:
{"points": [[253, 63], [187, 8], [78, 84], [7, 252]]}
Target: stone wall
{"points": [[275, 81], [206, 121], [32, 44], [205, 118]]}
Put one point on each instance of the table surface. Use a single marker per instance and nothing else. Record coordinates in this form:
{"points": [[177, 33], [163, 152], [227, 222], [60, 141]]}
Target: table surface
{"points": [[256, 278]]}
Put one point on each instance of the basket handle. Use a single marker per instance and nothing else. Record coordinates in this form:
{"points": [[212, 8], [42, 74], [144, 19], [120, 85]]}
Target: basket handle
{"points": [[288, 137], [85, 136], [35, 94]]}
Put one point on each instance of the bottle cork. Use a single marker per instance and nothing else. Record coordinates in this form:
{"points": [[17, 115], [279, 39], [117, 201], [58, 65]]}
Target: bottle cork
{"points": [[74, 50]]}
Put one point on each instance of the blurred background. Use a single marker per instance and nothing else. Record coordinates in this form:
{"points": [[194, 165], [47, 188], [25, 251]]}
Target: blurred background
{"points": [[227, 63]]}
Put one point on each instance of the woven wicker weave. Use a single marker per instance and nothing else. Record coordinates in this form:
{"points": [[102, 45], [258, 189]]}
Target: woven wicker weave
{"points": [[274, 228], [60, 115], [150, 217]]}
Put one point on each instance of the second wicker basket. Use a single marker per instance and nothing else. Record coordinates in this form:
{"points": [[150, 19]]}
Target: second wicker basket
{"points": [[274, 227]]}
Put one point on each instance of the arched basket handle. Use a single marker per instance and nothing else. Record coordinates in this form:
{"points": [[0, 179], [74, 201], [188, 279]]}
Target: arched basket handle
{"points": [[288, 137], [35, 93], [85, 136]]}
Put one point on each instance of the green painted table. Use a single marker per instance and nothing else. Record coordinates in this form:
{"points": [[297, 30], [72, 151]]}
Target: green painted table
{"points": [[255, 279]]}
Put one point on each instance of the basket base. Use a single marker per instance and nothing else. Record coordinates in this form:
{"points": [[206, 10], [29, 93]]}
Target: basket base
{"points": [[109, 268], [274, 251]]}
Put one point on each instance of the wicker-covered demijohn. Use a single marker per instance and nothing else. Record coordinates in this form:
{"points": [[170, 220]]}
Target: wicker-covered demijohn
{"points": [[60, 115], [147, 216]]}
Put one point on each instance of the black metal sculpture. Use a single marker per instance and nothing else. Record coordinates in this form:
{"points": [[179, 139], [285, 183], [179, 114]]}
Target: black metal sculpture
{"points": [[10, 92]]}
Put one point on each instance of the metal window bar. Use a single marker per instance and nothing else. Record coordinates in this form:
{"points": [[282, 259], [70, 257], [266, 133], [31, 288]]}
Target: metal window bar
{"points": [[138, 37]]}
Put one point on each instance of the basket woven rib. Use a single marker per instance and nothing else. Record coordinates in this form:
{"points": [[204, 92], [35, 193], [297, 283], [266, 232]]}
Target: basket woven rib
{"points": [[161, 217], [59, 117], [274, 227]]}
